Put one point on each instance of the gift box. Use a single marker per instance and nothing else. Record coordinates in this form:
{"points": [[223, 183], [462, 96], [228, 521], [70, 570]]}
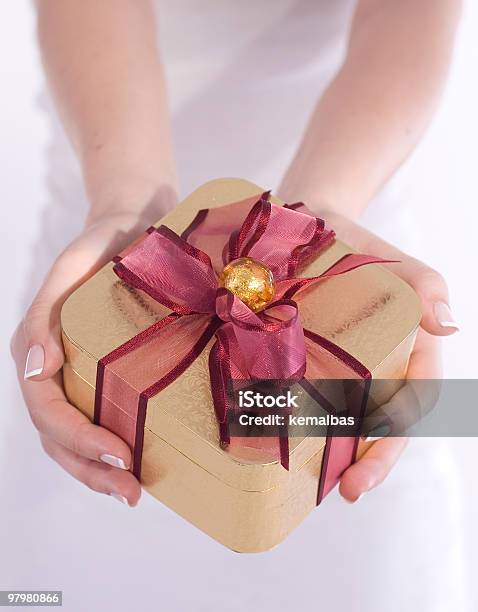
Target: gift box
{"points": [[240, 495]]}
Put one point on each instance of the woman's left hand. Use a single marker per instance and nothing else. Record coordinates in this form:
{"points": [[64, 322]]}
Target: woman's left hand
{"points": [[425, 361]]}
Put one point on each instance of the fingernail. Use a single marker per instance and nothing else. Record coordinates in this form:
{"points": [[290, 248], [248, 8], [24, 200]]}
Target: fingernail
{"points": [[120, 498], [354, 501], [35, 361], [443, 315], [114, 461], [378, 433]]}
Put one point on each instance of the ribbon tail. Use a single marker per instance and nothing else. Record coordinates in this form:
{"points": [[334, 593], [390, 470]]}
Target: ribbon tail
{"points": [[289, 288], [227, 367], [284, 446], [327, 361], [220, 376]]}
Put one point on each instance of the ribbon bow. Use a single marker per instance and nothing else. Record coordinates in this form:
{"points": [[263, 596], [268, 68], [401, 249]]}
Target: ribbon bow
{"points": [[181, 273]]}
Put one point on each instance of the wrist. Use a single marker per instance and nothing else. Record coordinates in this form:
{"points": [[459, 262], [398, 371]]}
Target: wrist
{"points": [[324, 200], [312, 196], [147, 200]]}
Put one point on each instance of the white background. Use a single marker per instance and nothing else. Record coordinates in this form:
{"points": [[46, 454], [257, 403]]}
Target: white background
{"points": [[56, 535]]}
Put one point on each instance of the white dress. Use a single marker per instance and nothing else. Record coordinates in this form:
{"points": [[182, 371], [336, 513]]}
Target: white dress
{"points": [[243, 78]]}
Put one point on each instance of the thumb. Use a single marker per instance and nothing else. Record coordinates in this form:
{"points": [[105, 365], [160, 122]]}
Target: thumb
{"points": [[437, 318], [42, 347]]}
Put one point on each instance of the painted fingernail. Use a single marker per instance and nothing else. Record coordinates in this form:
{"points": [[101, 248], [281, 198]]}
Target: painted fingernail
{"points": [[35, 361], [120, 498], [443, 316], [114, 461], [378, 433]]}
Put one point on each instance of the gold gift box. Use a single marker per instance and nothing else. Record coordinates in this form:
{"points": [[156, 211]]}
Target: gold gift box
{"points": [[246, 502]]}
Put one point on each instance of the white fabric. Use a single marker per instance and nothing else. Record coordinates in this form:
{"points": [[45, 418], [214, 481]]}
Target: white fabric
{"points": [[243, 78]]}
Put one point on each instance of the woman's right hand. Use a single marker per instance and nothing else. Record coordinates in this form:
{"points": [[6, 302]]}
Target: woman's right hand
{"points": [[88, 452]]}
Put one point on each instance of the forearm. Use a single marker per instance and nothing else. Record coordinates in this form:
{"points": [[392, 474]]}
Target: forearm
{"points": [[378, 106], [103, 66]]}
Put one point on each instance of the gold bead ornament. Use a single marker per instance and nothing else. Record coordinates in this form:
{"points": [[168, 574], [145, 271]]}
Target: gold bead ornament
{"points": [[250, 280]]}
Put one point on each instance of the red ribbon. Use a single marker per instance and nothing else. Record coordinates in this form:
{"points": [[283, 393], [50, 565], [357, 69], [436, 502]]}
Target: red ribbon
{"points": [[181, 273]]}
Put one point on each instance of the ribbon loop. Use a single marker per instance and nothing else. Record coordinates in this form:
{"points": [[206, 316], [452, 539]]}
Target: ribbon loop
{"points": [[171, 271]]}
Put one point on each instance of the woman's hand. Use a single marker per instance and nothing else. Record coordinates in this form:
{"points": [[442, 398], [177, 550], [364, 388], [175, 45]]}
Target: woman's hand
{"points": [[90, 453], [425, 362]]}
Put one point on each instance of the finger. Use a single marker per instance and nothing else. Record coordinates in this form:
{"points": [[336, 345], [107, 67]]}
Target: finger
{"points": [[430, 286], [432, 289], [102, 478], [57, 419], [417, 397], [39, 343], [42, 346], [371, 469], [425, 365]]}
